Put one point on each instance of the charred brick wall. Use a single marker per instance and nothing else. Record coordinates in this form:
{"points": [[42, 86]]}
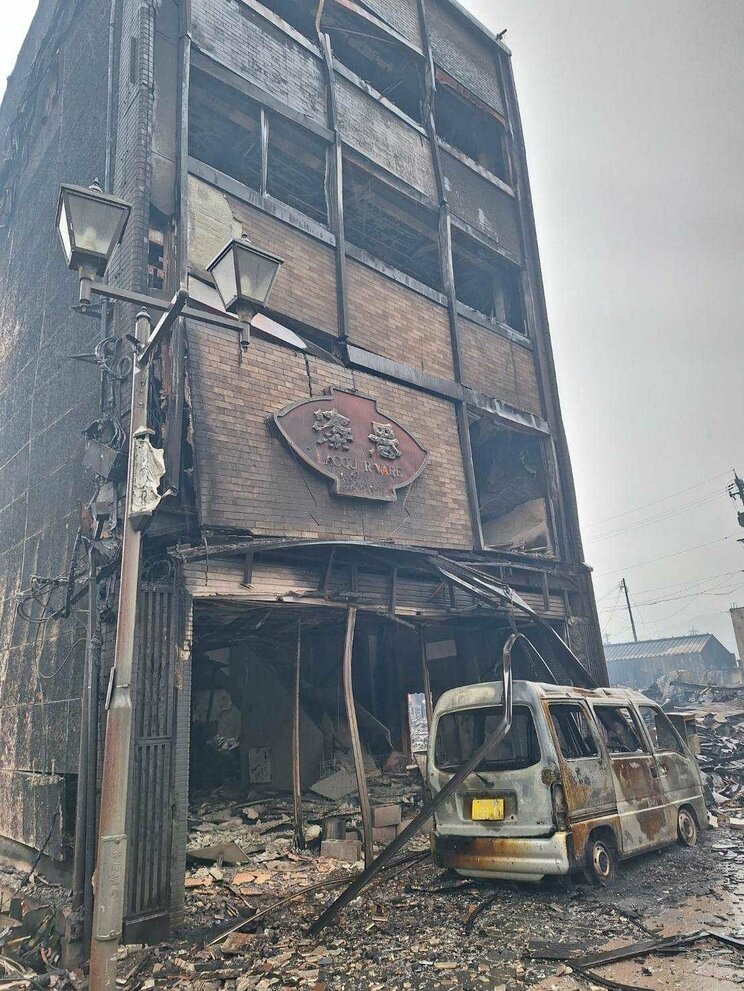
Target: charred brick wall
{"points": [[402, 15], [289, 69], [46, 398], [305, 288], [397, 322], [248, 479], [498, 367], [465, 54], [482, 204]]}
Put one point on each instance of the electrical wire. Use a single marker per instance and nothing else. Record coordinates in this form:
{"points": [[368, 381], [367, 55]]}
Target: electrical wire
{"points": [[655, 502], [658, 518], [665, 557]]}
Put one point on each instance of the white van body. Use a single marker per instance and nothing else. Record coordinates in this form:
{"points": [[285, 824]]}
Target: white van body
{"points": [[582, 779]]}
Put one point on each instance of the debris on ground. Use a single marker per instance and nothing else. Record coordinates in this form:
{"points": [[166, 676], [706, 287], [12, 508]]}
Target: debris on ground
{"points": [[719, 720]]}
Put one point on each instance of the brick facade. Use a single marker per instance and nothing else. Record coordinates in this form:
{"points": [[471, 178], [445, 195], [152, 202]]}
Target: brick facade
{"points": [[249, 480]]}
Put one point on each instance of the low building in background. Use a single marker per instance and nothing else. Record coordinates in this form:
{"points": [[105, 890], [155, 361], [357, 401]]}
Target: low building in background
{"points": [[701, 658]]}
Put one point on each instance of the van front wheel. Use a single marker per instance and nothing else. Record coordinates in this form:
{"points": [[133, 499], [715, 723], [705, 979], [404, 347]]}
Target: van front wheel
{"points": [[686, 828], [600, 861]]}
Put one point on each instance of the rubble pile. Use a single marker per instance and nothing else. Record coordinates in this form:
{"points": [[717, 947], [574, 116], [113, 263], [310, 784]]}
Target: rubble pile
{"points": [[719, 720], [31, 937]]}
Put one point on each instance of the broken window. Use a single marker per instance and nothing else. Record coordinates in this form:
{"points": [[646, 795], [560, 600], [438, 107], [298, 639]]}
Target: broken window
{"points": [[460, 734], [297, 168], [486, 282], [361, 43], [259, 148], [474, 131], [621, 734], [391, 227], [225, 129], [662, 733], [156, 249], [512, 489], [297, 13], [574, 732]]}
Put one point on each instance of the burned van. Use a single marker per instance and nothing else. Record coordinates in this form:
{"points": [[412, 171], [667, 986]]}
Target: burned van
{"points": [[581, 779]]}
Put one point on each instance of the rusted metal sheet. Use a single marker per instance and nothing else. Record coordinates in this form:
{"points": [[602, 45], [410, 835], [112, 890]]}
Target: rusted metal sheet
{"points": [[361, 450], [356, 744]]}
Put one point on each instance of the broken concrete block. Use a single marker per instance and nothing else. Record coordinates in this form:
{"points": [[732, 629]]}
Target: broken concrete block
{"points": [[386, 815], [426, 828], [384, 834], [348, 850]]}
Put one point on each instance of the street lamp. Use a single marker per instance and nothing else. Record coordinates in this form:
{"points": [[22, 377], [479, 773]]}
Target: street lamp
{"points": [[244, 275], [90, 224]]}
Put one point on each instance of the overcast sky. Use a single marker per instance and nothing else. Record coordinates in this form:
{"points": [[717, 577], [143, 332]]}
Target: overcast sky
{"points": [[632, 114]]}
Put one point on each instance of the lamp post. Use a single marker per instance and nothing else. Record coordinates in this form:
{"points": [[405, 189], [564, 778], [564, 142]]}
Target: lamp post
{"points": [[90, 224]]}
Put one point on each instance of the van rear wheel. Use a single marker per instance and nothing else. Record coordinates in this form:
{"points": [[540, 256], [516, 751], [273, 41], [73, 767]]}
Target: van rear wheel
{"points": [[600, 861], [687, 832]]}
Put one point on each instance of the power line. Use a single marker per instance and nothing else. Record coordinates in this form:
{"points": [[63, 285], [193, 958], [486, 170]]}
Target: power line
{"points": [[658, 518], [655, 502], [664, 557]]}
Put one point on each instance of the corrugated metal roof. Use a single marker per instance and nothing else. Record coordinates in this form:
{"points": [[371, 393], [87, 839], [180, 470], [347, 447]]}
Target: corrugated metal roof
{"points": [[657, 648]]}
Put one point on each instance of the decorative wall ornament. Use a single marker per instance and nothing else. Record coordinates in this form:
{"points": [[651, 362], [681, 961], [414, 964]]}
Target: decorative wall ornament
{"points": [[332, 434], [148, 467]]}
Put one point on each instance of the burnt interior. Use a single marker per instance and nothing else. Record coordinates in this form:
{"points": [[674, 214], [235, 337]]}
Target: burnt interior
{"points": [[512, 489], [475, 132], [486, 282], [297, 168], [377, 57], [225, 129], [390, 226]]}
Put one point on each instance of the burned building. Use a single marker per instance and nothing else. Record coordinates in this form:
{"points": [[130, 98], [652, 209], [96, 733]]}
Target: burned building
{"points": [[698, 657], [375, 471]]}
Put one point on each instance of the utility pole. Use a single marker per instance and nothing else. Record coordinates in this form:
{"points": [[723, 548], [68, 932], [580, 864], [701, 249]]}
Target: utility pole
{"points": [[624, 587]]}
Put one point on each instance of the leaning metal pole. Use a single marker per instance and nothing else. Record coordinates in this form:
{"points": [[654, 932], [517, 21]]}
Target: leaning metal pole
{"points": [[112, 843], [464, 771]]}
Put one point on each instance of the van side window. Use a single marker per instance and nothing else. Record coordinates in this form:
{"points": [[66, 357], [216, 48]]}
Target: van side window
{"points": [[619, 729], [660, 730], [573, 730]]}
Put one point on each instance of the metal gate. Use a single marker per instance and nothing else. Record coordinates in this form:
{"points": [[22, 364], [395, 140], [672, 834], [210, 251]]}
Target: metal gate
{"points": [[152, 805]]}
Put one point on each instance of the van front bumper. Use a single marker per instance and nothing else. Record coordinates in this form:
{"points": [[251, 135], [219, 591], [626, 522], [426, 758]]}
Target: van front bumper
{"points": [[515, 858]]}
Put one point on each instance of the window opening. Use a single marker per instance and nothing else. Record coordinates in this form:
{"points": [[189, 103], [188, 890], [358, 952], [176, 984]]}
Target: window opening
{"points": [[391, 227], [460, 734], [474, 132], [487, 283], [512, 488], [297, 13], [225, 129], [662, 733], [297, 168], [156, 249], [619, 729], [573, 729], [376, 57]]}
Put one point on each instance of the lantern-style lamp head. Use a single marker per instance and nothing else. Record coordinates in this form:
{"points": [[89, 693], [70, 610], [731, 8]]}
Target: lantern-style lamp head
{"points": [[90, 224], [244, 275]]}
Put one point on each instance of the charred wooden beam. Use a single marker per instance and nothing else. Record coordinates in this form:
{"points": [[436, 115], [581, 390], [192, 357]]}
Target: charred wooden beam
{"points": [[447, 791], [426, 680]]}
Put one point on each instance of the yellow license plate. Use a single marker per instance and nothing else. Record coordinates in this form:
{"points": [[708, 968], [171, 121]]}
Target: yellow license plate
{"points": [[488, 808]]}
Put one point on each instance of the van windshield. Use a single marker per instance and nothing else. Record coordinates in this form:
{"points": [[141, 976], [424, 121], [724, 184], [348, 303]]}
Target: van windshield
{"points": [[459, 734]]}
